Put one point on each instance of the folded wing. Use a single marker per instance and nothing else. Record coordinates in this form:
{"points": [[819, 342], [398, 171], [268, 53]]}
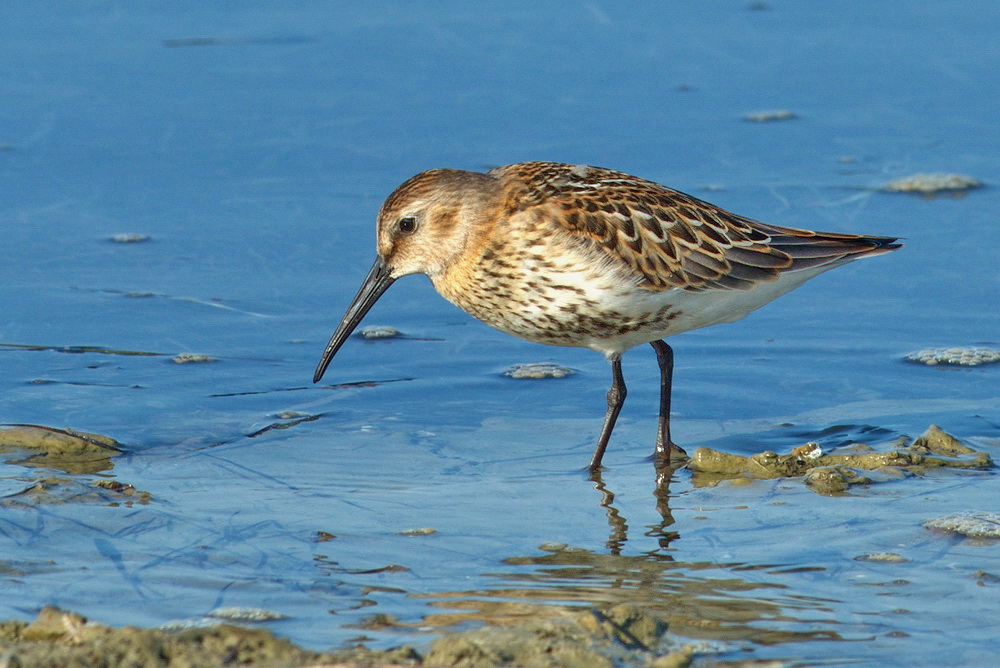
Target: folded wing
{"points": [[668, 239]]}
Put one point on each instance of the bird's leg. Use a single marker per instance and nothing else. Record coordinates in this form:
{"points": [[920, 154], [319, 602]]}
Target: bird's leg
{"points": [[616, 397], [665, 358]]}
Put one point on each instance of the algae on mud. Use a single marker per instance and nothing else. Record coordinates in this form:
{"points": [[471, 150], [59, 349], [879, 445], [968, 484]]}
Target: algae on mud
{"points": [[66, 450], [834, 473], [72, 452], [577, 607], [599, 638], [57, 489], [57, 638]]}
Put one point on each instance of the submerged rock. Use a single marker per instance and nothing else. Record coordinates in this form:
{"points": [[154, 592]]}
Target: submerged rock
{"points": [[234, 614], [128, 238], [537, 370], [882, 557], [192, 358], [972, 524], [57, 490], [63, 449], [957, 356], [926, 184], [378, 332], [770, 116]]}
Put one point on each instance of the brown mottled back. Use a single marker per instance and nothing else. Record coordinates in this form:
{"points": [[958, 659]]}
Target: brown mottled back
{"points": [[668, 238]]}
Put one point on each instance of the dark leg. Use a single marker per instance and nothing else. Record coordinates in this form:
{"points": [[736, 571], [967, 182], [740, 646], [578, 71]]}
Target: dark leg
{"points": [[665, 358], [616, 397]]}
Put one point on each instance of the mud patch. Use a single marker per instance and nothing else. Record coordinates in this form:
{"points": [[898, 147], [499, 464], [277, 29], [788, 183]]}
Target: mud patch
{"points": [[58, 490], [602, 638], [971, 524], [955, 356], [537, 370], [932, 184], [57, 638], [66, 450], [835, 472]]}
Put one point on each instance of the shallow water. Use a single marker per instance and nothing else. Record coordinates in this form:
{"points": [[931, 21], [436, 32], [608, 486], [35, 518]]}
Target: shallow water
{"points": [[253, 146]]}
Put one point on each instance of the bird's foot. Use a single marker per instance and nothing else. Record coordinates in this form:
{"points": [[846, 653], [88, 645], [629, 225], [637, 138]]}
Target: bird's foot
{"points": [[672, 455]]}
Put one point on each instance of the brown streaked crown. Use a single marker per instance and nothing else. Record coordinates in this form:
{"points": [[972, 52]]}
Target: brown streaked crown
{"points": [[444, 206]]}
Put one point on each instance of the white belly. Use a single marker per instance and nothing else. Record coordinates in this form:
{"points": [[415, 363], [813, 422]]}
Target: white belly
{"points": [[580, 304]]}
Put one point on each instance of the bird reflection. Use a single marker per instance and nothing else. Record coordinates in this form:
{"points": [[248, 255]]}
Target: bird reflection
{"points": [[619, 524]]}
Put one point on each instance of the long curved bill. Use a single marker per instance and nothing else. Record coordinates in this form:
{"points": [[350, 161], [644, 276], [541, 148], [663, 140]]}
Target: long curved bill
{"points": [[377, 282]]}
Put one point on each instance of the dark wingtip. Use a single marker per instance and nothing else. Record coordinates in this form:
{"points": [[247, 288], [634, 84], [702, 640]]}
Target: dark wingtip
{"points": [[888, 243], [883, 244]]}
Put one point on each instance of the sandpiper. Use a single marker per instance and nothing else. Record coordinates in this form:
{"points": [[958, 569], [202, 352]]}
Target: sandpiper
{"points": [[573, 255]]}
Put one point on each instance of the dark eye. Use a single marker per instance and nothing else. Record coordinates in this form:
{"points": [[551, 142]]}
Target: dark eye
{"points": [[407, 225]]}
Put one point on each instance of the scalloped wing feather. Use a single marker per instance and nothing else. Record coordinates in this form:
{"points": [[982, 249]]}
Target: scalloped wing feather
{"points": [[667, 239]]}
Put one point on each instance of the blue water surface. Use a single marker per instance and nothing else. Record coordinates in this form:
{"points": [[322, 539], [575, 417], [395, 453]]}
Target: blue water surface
{"points": [[253, 144]]}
